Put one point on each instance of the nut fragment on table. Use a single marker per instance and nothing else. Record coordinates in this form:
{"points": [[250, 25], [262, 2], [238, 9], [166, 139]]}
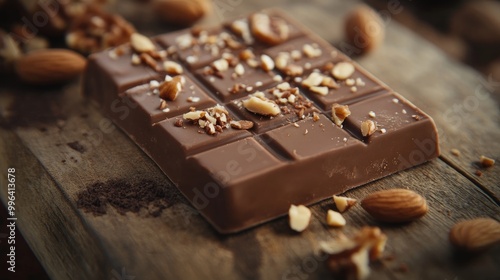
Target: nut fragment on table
{"points": [[335, 219], [343, 203], [349, 258], [486, 161], [299, 217]]}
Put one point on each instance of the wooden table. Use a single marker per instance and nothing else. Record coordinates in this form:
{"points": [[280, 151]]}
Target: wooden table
{"points": [[180, 244]]}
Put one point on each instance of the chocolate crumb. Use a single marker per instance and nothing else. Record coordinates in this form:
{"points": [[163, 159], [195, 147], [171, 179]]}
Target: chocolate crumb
{"points": [[77, 147], [125, 197]]}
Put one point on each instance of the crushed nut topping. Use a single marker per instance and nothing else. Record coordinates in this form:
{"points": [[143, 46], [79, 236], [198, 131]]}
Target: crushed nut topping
{"points": [[141, 43], [267, 63], [311, 51], [213, 120], [340, 113], [242, 124], [368, 127], [343, 70], [261, 105], [169, 90], [172, 68]]}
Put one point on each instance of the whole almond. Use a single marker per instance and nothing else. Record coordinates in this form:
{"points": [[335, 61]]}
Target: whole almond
{"points": [[395, 205], [51, 66], [476, 234], [364, 29], [182, 12]]}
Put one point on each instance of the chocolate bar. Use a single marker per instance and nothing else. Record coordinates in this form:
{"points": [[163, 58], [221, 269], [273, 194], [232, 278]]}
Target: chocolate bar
{"points": [[252, 116]]}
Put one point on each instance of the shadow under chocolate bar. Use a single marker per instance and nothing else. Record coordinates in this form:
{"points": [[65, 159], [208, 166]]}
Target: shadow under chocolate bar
{"points": [[248, 118]]}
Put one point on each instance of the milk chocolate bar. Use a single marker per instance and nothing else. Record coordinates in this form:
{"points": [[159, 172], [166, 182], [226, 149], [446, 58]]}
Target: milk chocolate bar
{"points": [[252, 116]]}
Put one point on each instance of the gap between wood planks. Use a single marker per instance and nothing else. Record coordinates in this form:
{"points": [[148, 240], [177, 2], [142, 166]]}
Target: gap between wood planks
{"points": [[490, 194]]}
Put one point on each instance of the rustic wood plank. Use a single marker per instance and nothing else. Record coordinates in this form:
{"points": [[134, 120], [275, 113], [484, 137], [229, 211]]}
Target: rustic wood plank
{"points": [[180, 244], [152, 248]]}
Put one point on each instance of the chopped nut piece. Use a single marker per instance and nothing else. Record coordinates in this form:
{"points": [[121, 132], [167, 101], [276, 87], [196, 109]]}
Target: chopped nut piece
{"points": [[350, 258], [241, 28], [368, 127], [350, 82], [340, 113], [486, 161], [293, 70], [343, 203], [455, 152], [220, 65], [319, 90], [315, 117], [172, 68], [171, 89], [267, 63], [311, 51], [261, 106], [277, 78], [246, 54], [239, 70], [314, 79], [141, 43], [299, 216], [269, 31], [193, 99], [163, 105], [281, 60], [329, 82], [242, 124], [372, 114], [343, 70], [148, 60], [335, 219], [194, 115]]}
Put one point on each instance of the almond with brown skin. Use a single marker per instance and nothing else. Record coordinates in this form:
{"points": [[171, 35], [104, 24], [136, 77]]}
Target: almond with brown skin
{"points": [[182, 12], [364, 29], [475, 235], [395, 205], [51, 66]]}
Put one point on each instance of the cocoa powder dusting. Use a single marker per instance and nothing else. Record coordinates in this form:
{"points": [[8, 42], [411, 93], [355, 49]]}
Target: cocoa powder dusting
{"points": [[126, 197]]}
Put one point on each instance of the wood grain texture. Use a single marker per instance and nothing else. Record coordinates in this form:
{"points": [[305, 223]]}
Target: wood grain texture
{"points": [[180, 244]]}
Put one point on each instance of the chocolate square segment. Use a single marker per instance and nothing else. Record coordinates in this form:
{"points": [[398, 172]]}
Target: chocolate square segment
{"points": [[227, 85], [114, 71], [390, 112], [289, 112], [309, 138], [190, 138], [305, 52], [197, 48], [147, 100], [353, 89]]}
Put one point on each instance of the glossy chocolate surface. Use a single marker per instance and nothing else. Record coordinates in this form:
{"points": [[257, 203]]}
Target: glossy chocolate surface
{"points": [[241, 163]]}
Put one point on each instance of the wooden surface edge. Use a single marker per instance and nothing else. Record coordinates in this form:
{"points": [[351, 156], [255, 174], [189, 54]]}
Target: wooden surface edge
{"points": [[45, 217]]}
